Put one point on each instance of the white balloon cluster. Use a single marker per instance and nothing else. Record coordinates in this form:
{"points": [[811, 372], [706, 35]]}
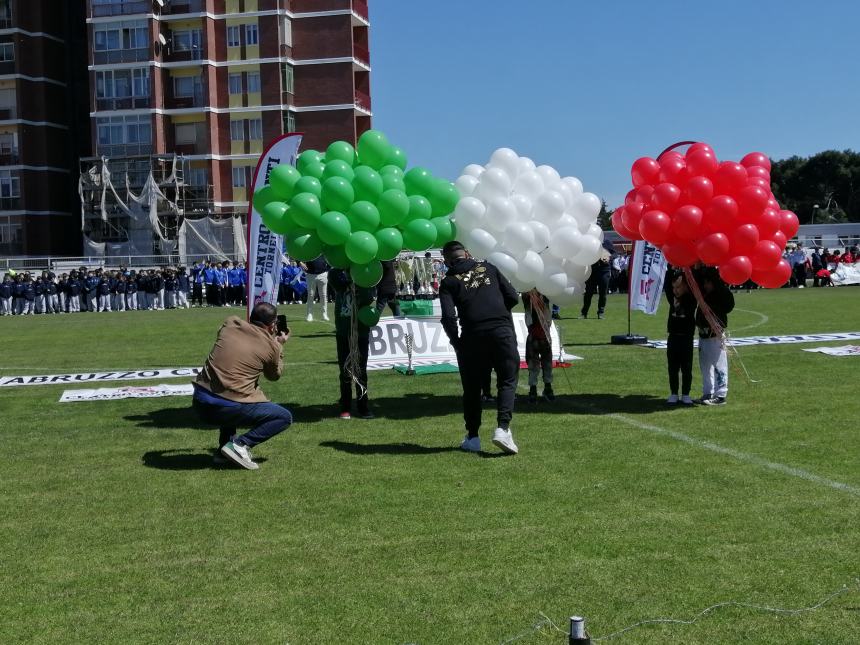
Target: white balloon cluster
{"points": [[538, 228]]}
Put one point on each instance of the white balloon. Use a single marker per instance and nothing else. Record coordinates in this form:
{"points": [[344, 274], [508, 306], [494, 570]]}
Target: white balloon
{"points": [[567, 297], [551, 264], [518, 238], [566, 220], [548, 207], [576, 273], [567, 193], [469, 214], [466, 185], [494, 183], [586, 207], [553, 284], [589, 250], [574, 184], [518, 284], [524, 206], [480, 243], [526, 164], [530, 268], [595, 231], [565, 242], [503, 262], [507, 160], [500, 213], [529, 184], [550, 176], [473, 170], [542, 234]]}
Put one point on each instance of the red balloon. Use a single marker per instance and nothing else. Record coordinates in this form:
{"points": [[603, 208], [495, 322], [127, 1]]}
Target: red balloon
{"points": [[752, 200], [721, 213], [702, 162], [736, 270], [756, 159], [666, 197], [730, 178], [765, 255], [699, 191], [630, 197], [779, 239], [680, 253], [760, 182], [714, 248], [645, 171], [655, 226], [772, 203], [635, 210], [743, 239], [618, 224], [686, 222], [767, 223], [757, 171], [700, 146], [643, 194], [673, 170], [773, 278], [630, 220], [788, 223]]}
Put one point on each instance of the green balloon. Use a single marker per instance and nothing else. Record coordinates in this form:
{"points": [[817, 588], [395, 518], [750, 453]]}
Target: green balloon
{"points": [[444, 198], [390, 242], [368, 316], [283, 179], [393, 207], [337, 194], [391, 170], [303, 245], [307, 157], [366, 275], [419, 181], [393, 182], [364, 216], [263, 196], [419, 208], [445, 230], [419, 235], [277, 218], [336, 256], [315, 169], [338, 168], [310, 185], [306, 210], [334, 228], [340, 150], [373, 149], [396, 157], [361, 247], [367, 184]]}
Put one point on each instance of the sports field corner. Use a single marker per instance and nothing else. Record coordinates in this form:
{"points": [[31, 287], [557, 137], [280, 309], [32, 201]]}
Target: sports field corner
{"points": [[118, 528]]}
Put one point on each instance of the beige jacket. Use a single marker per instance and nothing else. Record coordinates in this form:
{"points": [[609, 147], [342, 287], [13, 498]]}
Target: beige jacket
{"points": [[241, 353]]}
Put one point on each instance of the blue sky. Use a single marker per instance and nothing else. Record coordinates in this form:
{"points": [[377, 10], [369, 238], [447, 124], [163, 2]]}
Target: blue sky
{"points": [[587, 86]]}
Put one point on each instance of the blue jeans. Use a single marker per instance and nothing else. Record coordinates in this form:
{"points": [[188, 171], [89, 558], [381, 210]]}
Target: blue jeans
{"points": [[265, 419]]}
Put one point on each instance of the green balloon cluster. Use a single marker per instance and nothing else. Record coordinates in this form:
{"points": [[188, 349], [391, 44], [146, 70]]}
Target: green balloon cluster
{"points": [[357, 206]]}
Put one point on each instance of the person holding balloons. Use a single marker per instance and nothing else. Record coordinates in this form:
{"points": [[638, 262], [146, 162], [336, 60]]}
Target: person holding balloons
{"points": [[712, 319]]}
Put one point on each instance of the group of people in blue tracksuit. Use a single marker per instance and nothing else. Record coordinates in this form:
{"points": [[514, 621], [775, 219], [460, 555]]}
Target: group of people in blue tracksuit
{"points": [[219, 283]]}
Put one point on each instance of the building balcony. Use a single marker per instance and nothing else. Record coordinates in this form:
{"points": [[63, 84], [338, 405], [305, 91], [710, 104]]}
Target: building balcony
{"points": [[126, 103], [10, 203], [196, 148], [120, 8], [184, 102], [183, 55], [9, 157], [178, 7], [361, 53], [360, 7], [125, 150], [6, 22], [362, 99], [8, 113], [121, 56]]}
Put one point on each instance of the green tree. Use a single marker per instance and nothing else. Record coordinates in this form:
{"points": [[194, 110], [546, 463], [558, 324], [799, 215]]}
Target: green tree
{"points": [[604, 218], [829, 179]]}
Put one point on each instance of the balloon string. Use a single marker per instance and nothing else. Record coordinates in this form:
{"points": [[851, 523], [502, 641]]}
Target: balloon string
{"points": [[352, 365]]}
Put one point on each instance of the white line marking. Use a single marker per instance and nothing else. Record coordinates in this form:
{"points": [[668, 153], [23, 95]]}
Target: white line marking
{"points": [[762, 319], [740, 456]]}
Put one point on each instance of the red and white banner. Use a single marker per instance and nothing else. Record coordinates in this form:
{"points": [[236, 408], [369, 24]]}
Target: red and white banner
{"points": [[647, 272], [265, 248]]}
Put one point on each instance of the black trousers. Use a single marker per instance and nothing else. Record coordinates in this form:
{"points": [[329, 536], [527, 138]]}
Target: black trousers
{"points": [[346, 381], [390, 299], [197, 294], [679, 354], [496, 349], [598, 282]]}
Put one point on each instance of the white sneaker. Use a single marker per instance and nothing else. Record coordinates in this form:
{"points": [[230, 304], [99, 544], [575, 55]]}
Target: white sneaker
{"points": [[325, 317], [672, 399], [239, 454], [686, 400], [471, 444], [310, 318], [504, 439]]}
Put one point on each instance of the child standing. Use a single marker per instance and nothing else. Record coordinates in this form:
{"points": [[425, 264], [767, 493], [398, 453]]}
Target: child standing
{"points": [[538, 345], [680, 326]]}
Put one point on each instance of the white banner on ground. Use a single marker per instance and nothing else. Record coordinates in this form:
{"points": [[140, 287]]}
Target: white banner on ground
{"points": [[139, 375], [845, 274], [265, 248], [430, 343], [647, 272], [845, 350], [132, 392], [775, 340]]}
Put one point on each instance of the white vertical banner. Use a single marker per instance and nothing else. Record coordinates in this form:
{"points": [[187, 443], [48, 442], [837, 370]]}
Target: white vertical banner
{"points": [[647, 272], [265, 248]]}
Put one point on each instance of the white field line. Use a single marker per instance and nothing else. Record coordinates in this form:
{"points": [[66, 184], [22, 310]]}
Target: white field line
{"points": [[76, 369], [761, 321], [740, 456]]}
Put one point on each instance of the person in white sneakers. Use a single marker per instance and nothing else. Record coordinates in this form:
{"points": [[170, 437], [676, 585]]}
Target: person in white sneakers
{"points": [[317, 280], [680, 328], [482, 298], [713, 360]]}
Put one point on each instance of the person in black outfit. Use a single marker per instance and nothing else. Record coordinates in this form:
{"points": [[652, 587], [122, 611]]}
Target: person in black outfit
{"points": [[598, 281], [681, 326], [386, 290], [482, 298]]}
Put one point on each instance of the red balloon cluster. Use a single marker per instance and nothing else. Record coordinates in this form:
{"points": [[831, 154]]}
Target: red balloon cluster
{"points": [[694, 207]]}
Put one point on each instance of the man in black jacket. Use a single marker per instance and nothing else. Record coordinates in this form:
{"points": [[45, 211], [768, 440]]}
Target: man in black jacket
{"points": [[482, 298], [386, 290], [713, 360]]}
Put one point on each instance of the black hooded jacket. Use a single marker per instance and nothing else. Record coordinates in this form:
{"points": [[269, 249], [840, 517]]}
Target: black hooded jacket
{"points": [[479, 295]]}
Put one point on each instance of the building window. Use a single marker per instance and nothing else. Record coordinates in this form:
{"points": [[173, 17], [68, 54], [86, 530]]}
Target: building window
{"points": [[289, 121], [253, 82], [11, 235], [187, 40], [237, 130], [233, 36], [7, 144], [186, 133], [122, 83], [10, 185], [186, 86], [288, 32], [235, 83], [124, 35], [251, 35], [119, 130], [289, 80], [255, 129], [197, 177], [239, 177], [7, 52]]}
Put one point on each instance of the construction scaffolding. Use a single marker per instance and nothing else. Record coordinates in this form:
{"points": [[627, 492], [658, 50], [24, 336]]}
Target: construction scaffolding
{"points": [[143, 206]]}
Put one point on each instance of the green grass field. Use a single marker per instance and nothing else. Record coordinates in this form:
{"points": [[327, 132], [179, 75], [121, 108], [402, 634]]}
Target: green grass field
{"points": [[116, 528]]}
